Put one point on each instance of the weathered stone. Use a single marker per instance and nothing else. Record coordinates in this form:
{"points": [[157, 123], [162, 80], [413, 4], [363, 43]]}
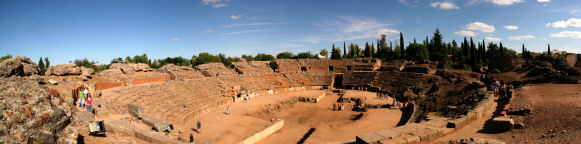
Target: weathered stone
{"points": [[63, 69], [18, 66], [131, 67], [30, 114]]}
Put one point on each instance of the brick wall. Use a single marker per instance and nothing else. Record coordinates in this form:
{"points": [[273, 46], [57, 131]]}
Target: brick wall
{"points": [[151, 80], [108, 85]]}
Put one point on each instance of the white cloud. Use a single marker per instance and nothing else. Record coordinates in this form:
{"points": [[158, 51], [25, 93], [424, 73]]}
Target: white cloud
{"points": [[543, 1], [245, 31], [350, 28], [466, 33], [496, 39], [480, 26], [235, 17], [511, 27], [252, 24], [215, 3], [567, 34], [572, 22], [505, 2], [444, 5], [175, 38], [521, 37]]}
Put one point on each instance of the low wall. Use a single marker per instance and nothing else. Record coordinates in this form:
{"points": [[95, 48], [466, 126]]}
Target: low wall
{"points": [[108, 85], [264, 133], [151, 80], [427, 131]]}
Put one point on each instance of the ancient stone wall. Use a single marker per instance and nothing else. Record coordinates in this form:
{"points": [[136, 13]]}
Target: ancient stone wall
{"points": [[253, 67], [215, 70], [151, 80], [287, 65], [571, 59]]}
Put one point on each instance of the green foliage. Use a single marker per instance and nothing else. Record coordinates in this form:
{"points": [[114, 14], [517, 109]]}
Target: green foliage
{"points": [[305, 55], [263, 57], [285, 55], [204, 58], [179, 61], [41, 66], [90, 64], [324, 53], [5, 57], [335, 53]]}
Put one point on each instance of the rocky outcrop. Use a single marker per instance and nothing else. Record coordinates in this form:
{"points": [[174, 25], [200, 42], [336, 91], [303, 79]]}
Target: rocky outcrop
{"points": [[131, 67], [18, 66], [181, 72], [68, 69], [30, 114]]}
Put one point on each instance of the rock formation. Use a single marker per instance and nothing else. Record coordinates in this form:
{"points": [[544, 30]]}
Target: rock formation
{"points": [[18, 66], [30, 114]]}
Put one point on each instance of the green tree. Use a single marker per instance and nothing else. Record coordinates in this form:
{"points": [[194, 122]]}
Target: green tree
{"points": [[305, 55], [401, 45], [324, 53], [117, 60], [46, 63], [285, 55], [41, 66], [263, 57], [5, 57], [248, 57], [204, 58], [335, 52]]}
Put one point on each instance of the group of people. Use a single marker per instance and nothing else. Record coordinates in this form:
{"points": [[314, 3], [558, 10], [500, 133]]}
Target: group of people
{"points": [[84, 98]]}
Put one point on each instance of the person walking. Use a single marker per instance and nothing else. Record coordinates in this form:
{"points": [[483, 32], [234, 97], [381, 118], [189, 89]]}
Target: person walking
{"points": [[75, 96]]}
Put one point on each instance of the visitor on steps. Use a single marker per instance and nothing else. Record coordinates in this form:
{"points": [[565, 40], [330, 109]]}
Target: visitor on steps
{"points": [[89, 102], [192, 140], [82, 98]]}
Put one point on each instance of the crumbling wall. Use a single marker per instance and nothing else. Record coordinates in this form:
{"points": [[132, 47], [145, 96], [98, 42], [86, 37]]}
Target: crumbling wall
{"points": [[358, 79], [151, 80], [287, 65], [108, 85], [314, 65], [253, 67], [181, 72], [215, 70]]}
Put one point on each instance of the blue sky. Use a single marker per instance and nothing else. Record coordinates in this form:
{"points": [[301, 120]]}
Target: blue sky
{"points": [[100, 30]]}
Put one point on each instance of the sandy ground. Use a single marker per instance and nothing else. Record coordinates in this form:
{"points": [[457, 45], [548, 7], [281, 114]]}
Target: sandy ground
{"points": [[556, 117], [250, 117], [330, 126]]}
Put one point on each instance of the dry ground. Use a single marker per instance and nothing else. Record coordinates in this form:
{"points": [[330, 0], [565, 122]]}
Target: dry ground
{"points": [[556, 117]]}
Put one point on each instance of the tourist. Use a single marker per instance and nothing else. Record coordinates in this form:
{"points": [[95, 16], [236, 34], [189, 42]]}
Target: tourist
{"points": [[81, 98], [75, 96], [198, 126], [192, 140], [89, 102]]}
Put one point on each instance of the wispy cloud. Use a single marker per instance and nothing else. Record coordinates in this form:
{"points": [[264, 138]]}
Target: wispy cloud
{"points": [[543, 1], [466, 33], [252, 24], [480, 26], [345, 28], [505, 2], [567, 34], [496, 39], [511, 27], [175, 38], [572, 22], [235, 17], [521, 37], [444, 5], [215, 3], [245, 31]]}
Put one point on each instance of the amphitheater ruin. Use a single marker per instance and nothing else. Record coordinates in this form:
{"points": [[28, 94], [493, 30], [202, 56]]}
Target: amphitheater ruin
{"points": [[318, 101]]}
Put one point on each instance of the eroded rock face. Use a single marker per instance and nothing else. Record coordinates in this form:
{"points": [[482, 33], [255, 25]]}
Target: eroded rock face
{"points": [[18, 66], [29, 114], [131, 67], [64, 69]]}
